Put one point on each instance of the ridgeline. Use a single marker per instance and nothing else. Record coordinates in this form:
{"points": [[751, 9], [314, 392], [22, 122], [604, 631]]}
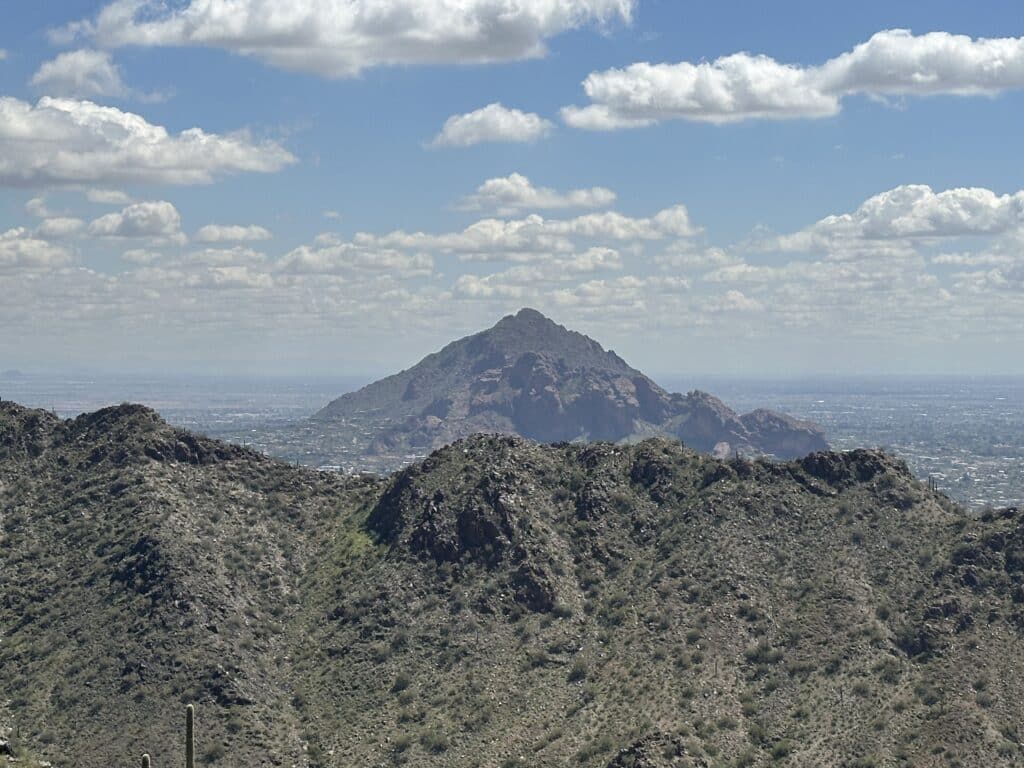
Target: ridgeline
{"points": [[500, 603]]}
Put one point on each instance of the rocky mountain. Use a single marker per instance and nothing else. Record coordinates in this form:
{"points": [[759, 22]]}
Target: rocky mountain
{"points": [[528, 376], [499, 604]]}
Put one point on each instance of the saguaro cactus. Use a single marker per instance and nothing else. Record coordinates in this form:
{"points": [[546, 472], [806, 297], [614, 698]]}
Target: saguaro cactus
{"points": [[190, 737]]}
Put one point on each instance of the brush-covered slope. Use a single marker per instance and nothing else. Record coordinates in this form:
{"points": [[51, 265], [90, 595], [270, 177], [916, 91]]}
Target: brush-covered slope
{"points": [[141, 568], [501, 603], [529, 376]]}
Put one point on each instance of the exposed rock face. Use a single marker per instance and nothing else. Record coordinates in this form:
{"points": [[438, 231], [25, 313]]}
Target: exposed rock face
{"points": [[531, 377]]}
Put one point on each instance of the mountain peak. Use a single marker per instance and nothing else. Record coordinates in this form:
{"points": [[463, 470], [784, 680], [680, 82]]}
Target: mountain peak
{"points": [[529, 332], [527, 315], [529, 376]]}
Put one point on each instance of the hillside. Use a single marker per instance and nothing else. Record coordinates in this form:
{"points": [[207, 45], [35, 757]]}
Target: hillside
{"points": [[501, 603], [530, 377]]}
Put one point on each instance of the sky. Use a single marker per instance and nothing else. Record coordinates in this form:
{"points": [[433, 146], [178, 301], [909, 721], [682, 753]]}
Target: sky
{"points": [[342, 186]]}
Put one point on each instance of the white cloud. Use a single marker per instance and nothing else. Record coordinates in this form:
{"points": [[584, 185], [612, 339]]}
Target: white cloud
{"points": [[900, 63], [66, 141], [221, 233], [107, 197], [734, 301], [984, 259], [674, 221], [515, 192], [141, 256], [682, 255], [80, 74], [534, 238], [342, 258], [59, 228], [3, 54], [907, 213], [731, 88], [491, 286], [493, 123], [623, 293], [37, 207], [238, 276], [340, 39], [22, 250], [742, 86], [226, 257], [158, 220]]}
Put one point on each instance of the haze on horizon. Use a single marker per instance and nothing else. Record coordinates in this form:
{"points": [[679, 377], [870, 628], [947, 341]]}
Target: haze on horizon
{"points": [[346, 187]]}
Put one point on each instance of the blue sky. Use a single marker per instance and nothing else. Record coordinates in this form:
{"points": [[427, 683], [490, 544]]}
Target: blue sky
{"points": [[339, 240]]}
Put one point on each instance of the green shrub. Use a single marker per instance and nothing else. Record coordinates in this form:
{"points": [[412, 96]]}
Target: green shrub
{"points": [[578, 671], [434, 741]]}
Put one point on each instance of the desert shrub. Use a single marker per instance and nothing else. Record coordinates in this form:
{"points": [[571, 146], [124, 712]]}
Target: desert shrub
{"points": [[763, 653], [402, 681], [578, 671], [782, 749], [433, 740]]}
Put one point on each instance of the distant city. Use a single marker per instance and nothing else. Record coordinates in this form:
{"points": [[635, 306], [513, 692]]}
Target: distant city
{"points": [[966, 433]]}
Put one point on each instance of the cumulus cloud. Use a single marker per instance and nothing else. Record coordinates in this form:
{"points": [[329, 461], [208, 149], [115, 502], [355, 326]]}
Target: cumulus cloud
{"points": [[332, 257], [615, 295], [81, 74], [221, 233], [236, 276], [734, 301], [107, 197], [909, 213], [515, 192], [487, 287], [341, 39], [535, 238], [23, 250], [159, 221], [59, 228], [67, 141], [141, 256], [527, 281], [221, 257], [37, 207], [493, 123], [743, 86], [731, 88], [683, 255]]}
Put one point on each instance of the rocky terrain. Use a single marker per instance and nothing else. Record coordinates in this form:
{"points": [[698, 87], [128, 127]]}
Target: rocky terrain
{"points": [[501, 603], [528, 376]]}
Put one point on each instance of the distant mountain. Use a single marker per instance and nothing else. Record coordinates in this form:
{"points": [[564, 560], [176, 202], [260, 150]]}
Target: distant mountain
{"points": [[501, 604], [529, 376]]}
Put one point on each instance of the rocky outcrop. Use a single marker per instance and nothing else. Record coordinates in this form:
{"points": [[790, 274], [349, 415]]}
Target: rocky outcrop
{"points": [[484, 523]]}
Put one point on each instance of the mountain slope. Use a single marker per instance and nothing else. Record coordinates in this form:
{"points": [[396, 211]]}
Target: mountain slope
{"points": [[144, 568], [500, 603], [531, 377]]}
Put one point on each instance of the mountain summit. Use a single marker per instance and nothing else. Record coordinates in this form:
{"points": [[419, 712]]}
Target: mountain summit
{"points": [[530, 376]]}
